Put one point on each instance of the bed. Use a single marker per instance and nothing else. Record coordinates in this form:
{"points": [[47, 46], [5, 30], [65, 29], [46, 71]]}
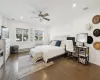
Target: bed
{"points": [[50, 51], [46, 52]]}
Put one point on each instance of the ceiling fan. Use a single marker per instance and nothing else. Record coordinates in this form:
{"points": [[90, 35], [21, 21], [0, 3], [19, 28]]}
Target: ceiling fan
{"points": [[41, 16]]}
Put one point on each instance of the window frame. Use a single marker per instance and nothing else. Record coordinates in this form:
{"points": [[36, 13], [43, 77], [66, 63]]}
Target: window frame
{"points": [[22, 33], [38, 31]]}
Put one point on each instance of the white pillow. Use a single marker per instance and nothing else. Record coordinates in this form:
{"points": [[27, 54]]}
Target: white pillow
{"points": [[63, 43], [53, 43]]}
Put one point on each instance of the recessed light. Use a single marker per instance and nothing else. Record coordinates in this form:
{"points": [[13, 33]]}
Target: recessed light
{"points": [[74, 5], [21, 17]]}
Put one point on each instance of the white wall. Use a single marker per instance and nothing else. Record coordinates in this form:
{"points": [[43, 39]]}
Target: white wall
{"points": [[79, 26], [12, 25], [1, 22], [60, 30]]}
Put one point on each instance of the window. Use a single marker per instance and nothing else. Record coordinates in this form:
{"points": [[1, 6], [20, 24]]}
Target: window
{"points": [[39, 35], [25, 34], [18, 34], [22, 34]]}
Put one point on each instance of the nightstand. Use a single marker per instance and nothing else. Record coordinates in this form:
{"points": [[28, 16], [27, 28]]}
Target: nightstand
{"points": [[83, 54]]}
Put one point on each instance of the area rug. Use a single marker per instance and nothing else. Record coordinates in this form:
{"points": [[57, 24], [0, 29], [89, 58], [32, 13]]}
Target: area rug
{"points": [[26, 66]]}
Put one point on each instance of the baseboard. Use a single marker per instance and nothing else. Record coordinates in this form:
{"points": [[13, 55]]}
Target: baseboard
{"points": [[24, 50], [94, 64]]}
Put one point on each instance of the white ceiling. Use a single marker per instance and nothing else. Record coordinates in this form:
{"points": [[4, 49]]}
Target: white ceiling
{"points": [[61, 11]]}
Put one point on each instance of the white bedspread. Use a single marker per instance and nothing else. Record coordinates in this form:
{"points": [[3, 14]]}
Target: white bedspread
{"points": [[50, 51]]}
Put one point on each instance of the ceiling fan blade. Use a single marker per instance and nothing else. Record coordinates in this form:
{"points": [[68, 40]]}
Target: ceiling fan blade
{"points": [[46, 19], [34, 17], [46, 14]]}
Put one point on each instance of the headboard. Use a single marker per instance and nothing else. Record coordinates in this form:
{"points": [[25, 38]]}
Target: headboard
{"points": [[59, 38], [73, 39]]}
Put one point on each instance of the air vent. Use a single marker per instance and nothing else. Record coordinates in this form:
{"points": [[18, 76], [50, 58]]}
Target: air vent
{"points": [[85, 8]]}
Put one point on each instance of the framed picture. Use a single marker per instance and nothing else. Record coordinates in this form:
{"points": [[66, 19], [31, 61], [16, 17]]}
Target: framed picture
{"points": [[36, 35], [31, 35]]}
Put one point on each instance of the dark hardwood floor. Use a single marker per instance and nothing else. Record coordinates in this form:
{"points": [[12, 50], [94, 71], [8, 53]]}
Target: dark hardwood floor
{"points": [[63, 69], [9, 71]]}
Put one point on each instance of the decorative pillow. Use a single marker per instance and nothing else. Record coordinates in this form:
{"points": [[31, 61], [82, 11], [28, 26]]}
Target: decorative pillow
{"points": [[58, 43]]}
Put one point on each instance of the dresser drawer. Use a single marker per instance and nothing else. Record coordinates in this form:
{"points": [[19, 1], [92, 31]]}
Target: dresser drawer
{"points": [[1, 61]]}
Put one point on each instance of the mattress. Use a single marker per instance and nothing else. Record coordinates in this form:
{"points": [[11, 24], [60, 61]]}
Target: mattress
{"points": [[48, 51]]}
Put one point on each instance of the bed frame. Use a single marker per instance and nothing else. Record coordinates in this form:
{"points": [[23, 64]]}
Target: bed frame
{"points": [[55, 58]]}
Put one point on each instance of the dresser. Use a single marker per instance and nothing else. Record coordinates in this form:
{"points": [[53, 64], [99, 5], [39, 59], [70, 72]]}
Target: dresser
{"points": [[1, 58], [5, 45]]}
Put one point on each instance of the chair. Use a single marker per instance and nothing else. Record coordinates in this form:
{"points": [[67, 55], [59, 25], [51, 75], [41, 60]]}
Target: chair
{"points": [[70, 49]]}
